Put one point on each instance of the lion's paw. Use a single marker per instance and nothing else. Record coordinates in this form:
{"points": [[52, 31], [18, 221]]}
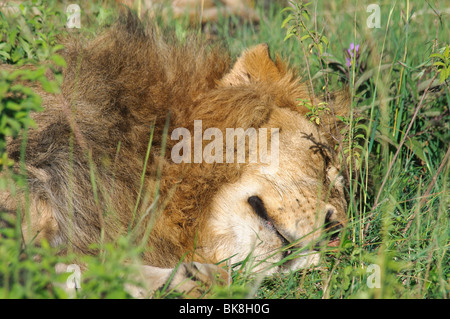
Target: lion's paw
{"points": [[191, 280]]}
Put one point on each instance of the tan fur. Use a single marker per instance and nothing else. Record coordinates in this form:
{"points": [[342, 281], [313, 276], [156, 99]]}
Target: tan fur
{"points": [[129, 78]]}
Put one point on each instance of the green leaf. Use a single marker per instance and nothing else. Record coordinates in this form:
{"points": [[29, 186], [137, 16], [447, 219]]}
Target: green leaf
{"points": [[288, 36], [439, 63], [3, 89], [442, 77], [58, 47], [49, 86], [436, 55], [305, 15], [285, 21], [5, 54], [320, 46], [290, 32], [287, 9], [59, 60], [10, 105], [303, 38], [12, 36], [36, 74], [26, 47], [20, 115]]}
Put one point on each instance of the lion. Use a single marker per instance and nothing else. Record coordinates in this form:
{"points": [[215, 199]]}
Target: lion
{"points": [[99, 164]]}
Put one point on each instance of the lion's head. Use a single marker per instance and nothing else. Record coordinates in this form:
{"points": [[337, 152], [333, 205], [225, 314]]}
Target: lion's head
{"points": [[278, 213]]}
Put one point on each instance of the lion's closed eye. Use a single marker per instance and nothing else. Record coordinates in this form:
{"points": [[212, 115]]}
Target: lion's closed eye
{"points": [[258, 206]]}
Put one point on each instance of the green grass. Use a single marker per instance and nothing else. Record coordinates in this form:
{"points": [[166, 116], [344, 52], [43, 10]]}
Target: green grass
{"points": [[399, 191]]}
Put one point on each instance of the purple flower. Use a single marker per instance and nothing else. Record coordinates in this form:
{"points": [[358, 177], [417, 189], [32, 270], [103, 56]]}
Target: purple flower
{"points": [[353, 49], [348, 62], [352, 54]]}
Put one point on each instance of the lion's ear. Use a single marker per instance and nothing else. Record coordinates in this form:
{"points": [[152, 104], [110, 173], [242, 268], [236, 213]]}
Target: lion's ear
{"points": [[254, 65]]}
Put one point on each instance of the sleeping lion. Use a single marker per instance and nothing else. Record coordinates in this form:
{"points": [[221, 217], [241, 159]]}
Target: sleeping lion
{"points": [[168, 142]]}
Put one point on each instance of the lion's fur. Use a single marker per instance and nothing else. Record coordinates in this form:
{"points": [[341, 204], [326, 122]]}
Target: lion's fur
{"points": [[85, 160]]}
